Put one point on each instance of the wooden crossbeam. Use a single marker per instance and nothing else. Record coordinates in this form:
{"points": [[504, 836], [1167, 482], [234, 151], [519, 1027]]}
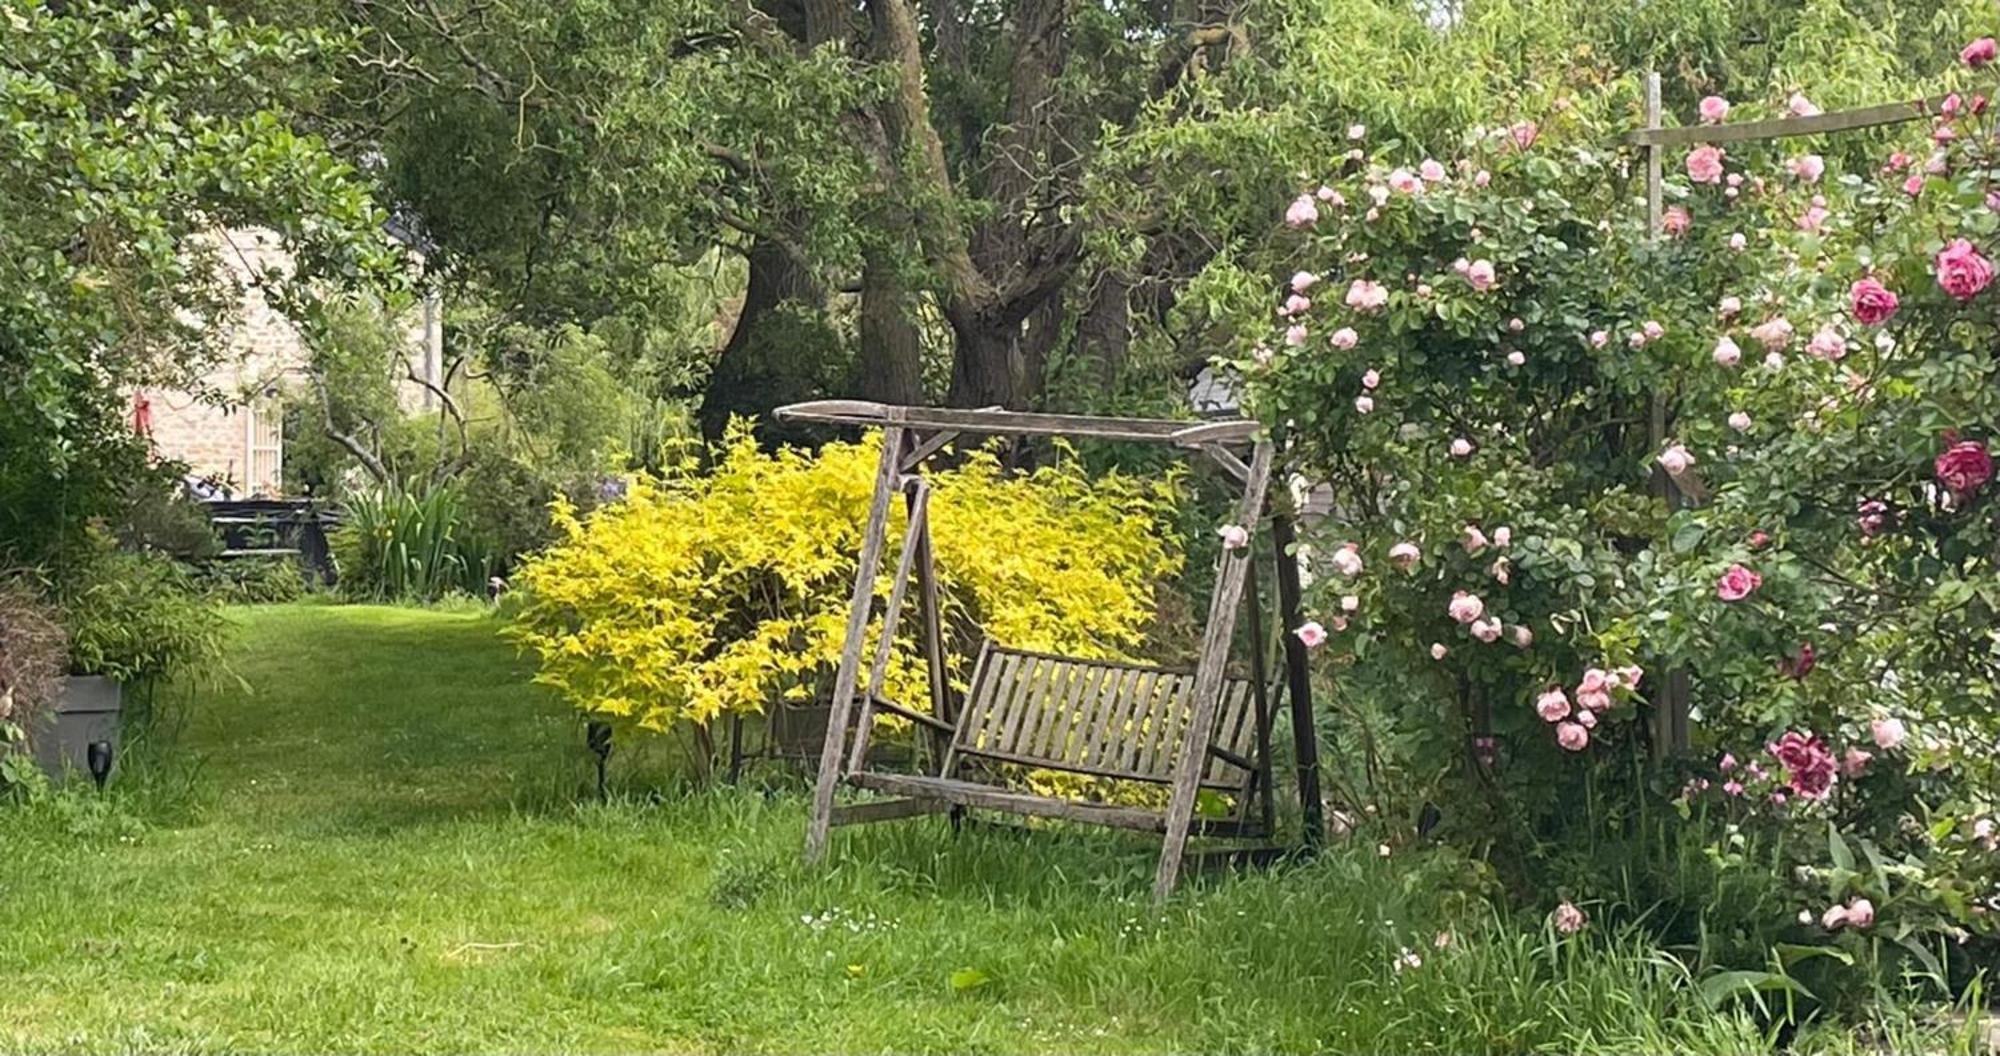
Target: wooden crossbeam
{"points": [[1782, 127], [1019, 423]]}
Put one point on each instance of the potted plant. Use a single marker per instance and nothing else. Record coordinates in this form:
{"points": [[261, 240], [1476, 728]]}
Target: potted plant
{"points": [[33, 654], [134, 620]]}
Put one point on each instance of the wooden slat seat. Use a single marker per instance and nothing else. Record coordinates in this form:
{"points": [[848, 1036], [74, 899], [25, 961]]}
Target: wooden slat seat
{"points": [[1101, 718]]}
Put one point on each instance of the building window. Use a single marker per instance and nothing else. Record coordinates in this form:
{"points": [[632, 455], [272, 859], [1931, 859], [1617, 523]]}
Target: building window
{"points": [[264, 447]]}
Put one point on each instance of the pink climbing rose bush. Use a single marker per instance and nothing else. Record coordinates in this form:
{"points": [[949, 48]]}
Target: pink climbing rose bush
{"points": [[1836, 559]]}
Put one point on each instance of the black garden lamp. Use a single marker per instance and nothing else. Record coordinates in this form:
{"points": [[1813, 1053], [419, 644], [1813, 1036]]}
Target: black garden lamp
{"points": [[100, 757], [597, 735]]}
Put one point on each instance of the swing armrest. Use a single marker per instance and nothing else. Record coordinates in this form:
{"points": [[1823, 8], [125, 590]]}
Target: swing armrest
{"points": [[1230, 757], [914, 715]]}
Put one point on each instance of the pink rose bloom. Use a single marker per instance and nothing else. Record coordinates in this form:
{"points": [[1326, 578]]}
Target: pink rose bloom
{"points": [[1737, 583], [1345, 338], [1728, 762], [1295, 335], [1473, 538], [1629, 676], [1874, 516], [1979, 52], [1296, 303], [1775, 362], [1913, 186], [1349, 603], [1676, 460], [1405, 555], [1827, 344], [1599, 338], [1364, 405], [1485, 630], [1740, 421], [1855, 762], [1234, 536], [1481, 178], [1704, 164], [1800, 106], [1860, 913], [1379, 195], [1737, 242], [1951, 104], [1773, 333], [1714, 109], [1729, 306], [1727, 352], [1573, 738], [1676, 221], [1403, 181], [1961, 271], [1594, 681], [1312, 634], [1813, 218], [1516, 358], [1346, 561], [1503, 537], [1889, 733], [1523, 636], [1303, 281], [1652, 330], [1597, 701], [1871, 302], [1438, 651], [1330, 196], [1808, 763], [1515, 325], [1431, 171], [1587, 719], [1733, 788], [1964, 467], [1524, 134], [1367, 296], [1461, 448], [1833, 918], [1552, 706], [1499, 570], [1481, 275], [1370, 378], [1302, 212], [1807, 167], [1465, 608]]}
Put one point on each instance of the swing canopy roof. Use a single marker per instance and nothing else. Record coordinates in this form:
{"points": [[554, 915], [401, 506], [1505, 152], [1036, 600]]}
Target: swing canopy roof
{"points": [[996, 422]]}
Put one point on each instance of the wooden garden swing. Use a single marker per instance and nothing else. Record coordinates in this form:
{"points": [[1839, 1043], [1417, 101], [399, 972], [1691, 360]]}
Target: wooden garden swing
{"points": [[1188, 730]]}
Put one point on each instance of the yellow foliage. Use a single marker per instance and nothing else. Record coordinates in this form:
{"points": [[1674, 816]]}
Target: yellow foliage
{"points": [[704, 595]]}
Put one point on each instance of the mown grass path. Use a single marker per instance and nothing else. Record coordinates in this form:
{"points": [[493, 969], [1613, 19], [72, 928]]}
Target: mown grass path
{"points": [[380, 842]]}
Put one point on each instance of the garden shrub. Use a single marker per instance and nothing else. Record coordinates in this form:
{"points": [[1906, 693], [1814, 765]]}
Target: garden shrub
{"points": [[397, 543], [33, 655], [138, 617], [1468, 355], [700, 596]]}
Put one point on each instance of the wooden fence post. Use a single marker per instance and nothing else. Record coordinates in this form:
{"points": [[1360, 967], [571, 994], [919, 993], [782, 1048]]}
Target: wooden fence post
{"points": [[1670, 704]]}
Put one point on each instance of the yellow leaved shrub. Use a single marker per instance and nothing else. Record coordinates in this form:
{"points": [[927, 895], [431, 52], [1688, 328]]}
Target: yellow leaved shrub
{"points": [[702, 595]]}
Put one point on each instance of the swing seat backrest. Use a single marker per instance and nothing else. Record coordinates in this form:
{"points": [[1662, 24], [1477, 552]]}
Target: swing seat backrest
{"points": [[1101, 718]]}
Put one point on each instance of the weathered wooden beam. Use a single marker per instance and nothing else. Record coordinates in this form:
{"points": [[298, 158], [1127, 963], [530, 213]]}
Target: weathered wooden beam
{"points": [[913, 715], [858, 608], [886, 810], [1227, 459], [885, 646], [930, 446], [1017, 423], [1782, 127], [1193, 758], [1298, 683], [972, 794]]}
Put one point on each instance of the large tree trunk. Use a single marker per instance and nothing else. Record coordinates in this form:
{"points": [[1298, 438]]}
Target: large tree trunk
{"points": [[891, 355], [1104, 334], [762, 367], [986, 367]]}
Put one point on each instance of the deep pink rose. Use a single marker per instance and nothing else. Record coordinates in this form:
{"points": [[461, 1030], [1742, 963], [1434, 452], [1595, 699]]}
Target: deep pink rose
{"points": [[1962, 271], [1737, 583], [1979, 52], [1873, 303], [1964, 467], [1809, 764]]}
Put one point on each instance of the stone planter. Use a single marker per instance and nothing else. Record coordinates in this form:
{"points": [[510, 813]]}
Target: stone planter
{"points": [[86, 713]]}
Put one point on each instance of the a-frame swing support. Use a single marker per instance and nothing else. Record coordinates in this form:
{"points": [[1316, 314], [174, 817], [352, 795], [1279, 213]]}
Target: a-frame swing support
{"points": [[910, 435]]}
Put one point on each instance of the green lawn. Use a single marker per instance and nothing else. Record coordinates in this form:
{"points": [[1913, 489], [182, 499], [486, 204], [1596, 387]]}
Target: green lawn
{"points": [[381, 842]]}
